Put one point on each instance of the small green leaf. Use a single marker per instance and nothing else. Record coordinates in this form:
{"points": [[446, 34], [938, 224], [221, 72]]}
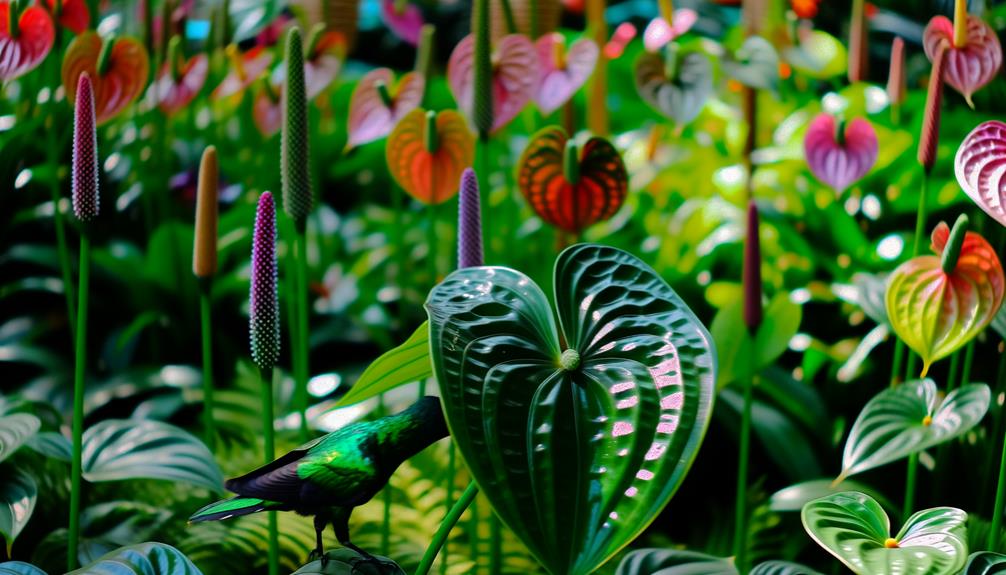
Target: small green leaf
{"points": [[18, 493], [141, 559], [980, 563], [906, 419], [15, 430], [854, 528], [117, 449], [406, 363], [19, 568], [673, 562], [740, 355]]}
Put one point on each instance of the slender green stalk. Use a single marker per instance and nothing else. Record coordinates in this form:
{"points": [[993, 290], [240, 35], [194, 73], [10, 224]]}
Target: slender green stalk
{"points": [[431, 242], [1000, 501], [496, 545], [952, 372], [206, 317], [899, 359], [482, 153], [451, 471], [303, 332], [398, 207], [913, 468], [385, 496], [969, 358], [921, 215], [476, 541], [268, 436], [440, 537], [80, 368], [740, 509], [59, 222]]}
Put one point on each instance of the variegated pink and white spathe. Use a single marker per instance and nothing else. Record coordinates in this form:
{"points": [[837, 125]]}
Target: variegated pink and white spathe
{"points": [[840, 160]]}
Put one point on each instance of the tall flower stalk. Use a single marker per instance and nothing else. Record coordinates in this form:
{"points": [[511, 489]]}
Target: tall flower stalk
{"points": [[897, 85], [482, 108], [264, 333], [204, 267], [84, 193]]}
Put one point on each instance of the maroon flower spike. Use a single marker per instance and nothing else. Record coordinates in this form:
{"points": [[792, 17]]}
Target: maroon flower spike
{"points": [[896, 83], [264, 299], [469, 222], [752, 272], [929, 139], [84, 176]]}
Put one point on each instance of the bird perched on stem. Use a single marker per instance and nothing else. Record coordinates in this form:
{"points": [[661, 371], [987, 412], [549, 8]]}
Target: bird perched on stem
{"points": [[331, 475]]}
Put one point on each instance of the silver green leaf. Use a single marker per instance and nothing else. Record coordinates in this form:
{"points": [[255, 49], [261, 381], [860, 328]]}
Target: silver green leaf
{"points": [[15, 430], [141, 559], [674, 562], [18, 493], [985, 563], [782, 568], [19, 568]]}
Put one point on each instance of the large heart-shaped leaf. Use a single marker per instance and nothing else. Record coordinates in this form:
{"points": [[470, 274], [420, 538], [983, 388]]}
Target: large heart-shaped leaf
{"points": [[969, 67], [985, 563], [562, 73], [141, 559], [908, 418], [578, 431], [673, 562], [595, 196], [756, 64], [24, 51], [117, 449], [854, 528], [121, 82], [836, 158], [980, 166], [678, 94], [935, 312], [406, 363], [370, 117], [176, 88], [782, 568], [17, 502], [514, 76], [19, 568], [15, 430], [431, 178]]}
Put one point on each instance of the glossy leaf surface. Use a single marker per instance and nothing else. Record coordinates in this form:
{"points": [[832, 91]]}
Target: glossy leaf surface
{"points": [[970, 67], [15, 430], [370, 118], [18, 493], [673, 562], [346, 562], [19, 568], [561, 73], [740, 354], [854, 528], [431, 178], [936, 313], [840, 162], [141, 559], [908, 418], [985, 563], [514, 78], [577, 449], [117, 449], [123, 81], [406, 363], [33, 42], [594, 197], [173, 94], [980, 166], [782, 568], [681, 96]]}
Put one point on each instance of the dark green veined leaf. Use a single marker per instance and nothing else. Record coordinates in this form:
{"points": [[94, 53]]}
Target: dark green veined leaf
{"points": [[15, 430], [406, 363], [117, 449], [19, 568], [782, 568], [142, 559], [906, 419], [740, 355], [794, 497], [51, 444], [983, 563], [343, 562], [854, 528], [673, 562], [17, 502], [577, 449]]}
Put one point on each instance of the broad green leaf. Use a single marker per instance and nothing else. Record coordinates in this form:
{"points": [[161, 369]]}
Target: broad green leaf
{"points": [[906, 419], [117, 449], [980, 563], [19, 568], [406, 363], [579, 430], [52, 444], [854, 528], [347, 562], [141, 559], [782, 568], [15, 430], [673, 562], [740, 355], [107, 526], [18, 493], [794, 497]]}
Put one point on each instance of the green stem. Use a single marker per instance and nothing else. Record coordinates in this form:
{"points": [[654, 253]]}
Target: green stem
{"points": [[496, 545], [206, 317], [431, 242], [385, 497], [58, 220], [899, 358], [482, 154], [303, 349], [268, 436], [913, 468], [451, 471], [921, 214], [955, 360], [440, 537], [997, 511], [511, 23], [740, 509], [80, 368], [969, 358]]}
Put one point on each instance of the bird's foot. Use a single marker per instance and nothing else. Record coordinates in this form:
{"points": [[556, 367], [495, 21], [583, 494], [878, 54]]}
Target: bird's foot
{"points": [[376, 566], [316, 555]]}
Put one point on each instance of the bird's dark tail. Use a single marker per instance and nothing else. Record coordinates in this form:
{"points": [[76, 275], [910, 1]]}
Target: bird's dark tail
{"points": [[233, 507]]}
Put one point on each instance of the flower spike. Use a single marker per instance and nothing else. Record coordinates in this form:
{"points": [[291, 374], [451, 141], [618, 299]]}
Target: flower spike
{"points": [[84, 184], [295, 172], [469, 222], [263, 298]]}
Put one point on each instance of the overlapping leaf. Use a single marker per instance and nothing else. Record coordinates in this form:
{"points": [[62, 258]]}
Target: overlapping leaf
{"points": [[683, 562], [969, 67], [24, 51], [572, 206], [18, 493], [681, 95], [782, 568], [854, 528], [908, 418], [19, 568], [562, 73], [936, 313], [122, 82], [370, 118], [839, 160], [514, 76], [577, 449], [431, 178], [15, 430], [406, 363], [980, 166], [141, 559]]}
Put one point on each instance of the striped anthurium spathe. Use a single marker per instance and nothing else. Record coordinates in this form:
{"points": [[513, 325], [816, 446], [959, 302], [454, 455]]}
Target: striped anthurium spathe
{"points": [[980, 166], [25, 39], [840, 153], [974, 53]]}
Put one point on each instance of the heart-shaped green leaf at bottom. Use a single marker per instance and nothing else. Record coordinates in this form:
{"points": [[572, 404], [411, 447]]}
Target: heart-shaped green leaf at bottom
{"points": [[782, 568], [141, 559], [854, 528], [683, 562], [348, 562], [985, 563], [19, 568]]}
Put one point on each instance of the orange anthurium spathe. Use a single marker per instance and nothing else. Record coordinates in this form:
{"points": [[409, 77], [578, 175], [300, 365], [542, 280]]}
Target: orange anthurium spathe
{"points": [[428, 151], [118, 69]]}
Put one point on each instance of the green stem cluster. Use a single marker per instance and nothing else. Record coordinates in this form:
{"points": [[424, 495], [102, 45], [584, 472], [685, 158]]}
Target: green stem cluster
{"points": [[80, 368]]}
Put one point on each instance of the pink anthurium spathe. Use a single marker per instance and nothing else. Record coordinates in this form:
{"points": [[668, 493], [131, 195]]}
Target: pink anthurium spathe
{"points": [[177, 85], [25, 40], [839, 154], [245, 69], [514, 76], [403, 18], [72, 14], [378, 103], [980, 165], [660, 32], [562, 72], [323, 58], [971, 64]]}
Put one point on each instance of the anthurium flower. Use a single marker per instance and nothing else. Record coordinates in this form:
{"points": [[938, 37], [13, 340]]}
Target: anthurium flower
{"points": [[980, 165], [180, 81], [25, 40], [514, 65], [245, 70], [118, 69], [427, 153], [837, 153], [561, 72], [660, 32], [378, 103], [70, 14], [972, 61], [937, 303], [403, 18]]}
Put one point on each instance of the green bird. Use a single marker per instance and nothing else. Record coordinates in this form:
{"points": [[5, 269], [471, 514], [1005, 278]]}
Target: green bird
{"points": [[331, 475]]}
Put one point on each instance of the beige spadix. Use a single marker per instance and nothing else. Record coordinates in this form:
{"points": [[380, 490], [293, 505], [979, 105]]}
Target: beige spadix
{"points": [[204, 253]]}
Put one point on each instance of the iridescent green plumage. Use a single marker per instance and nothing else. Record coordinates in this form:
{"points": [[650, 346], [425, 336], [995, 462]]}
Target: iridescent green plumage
{"points": [[331, 475]]}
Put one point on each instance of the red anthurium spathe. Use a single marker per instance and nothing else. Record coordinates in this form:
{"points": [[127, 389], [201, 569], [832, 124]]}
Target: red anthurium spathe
{"points": [[73, 14], [972, 65], [403, 18], [935, 311], [562, 72], [26, 45], [378, 103], [515, 76], [118, 69], [245, 69], [980, 165], [660, 32], [428, 151], [840, 154], [567, 189], [176, 86]]}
